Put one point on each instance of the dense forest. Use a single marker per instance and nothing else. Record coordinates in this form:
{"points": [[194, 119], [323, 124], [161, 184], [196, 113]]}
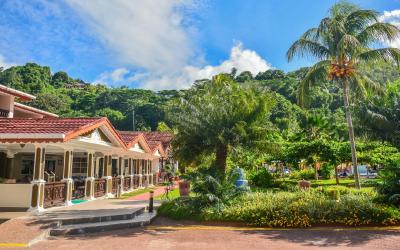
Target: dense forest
{"points": [[59, 93]]}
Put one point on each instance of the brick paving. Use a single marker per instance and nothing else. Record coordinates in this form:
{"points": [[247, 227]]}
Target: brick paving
{"points": [[153, 238], [146, 196]]}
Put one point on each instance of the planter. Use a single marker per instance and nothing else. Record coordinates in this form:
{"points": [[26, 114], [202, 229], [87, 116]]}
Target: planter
{"points": [[184, 188]]}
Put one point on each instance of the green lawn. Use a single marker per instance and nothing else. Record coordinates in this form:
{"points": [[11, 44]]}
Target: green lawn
{"points": [[172, 195], [136, 192]]}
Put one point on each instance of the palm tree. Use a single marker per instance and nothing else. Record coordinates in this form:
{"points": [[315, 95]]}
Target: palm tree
{"points": [[215, 116], [345, 38]]}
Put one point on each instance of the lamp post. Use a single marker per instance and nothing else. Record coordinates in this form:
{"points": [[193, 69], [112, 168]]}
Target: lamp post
{"points": [[151, 201]]}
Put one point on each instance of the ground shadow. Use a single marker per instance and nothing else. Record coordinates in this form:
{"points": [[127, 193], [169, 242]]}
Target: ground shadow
{"points": [[325, 237]]}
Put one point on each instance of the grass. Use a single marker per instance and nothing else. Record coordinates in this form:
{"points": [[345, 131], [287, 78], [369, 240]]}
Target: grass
{"points": [[136, 192], [172, 195]]}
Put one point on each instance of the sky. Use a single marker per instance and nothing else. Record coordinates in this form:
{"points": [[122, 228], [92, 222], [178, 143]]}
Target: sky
{"points": [[161, 44]]}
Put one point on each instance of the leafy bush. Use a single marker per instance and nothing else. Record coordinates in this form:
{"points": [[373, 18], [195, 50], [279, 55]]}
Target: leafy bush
{"points": [[390, 186], [304, 174], [210, 192], [294, 209], [261, 178], [327, 171]]}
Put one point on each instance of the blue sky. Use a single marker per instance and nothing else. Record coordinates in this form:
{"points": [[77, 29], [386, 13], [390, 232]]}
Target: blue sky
{"points": [[160, 44]]}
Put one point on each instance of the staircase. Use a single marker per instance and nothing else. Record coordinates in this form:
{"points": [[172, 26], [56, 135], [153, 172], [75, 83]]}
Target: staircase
{"points": [[81, 225]]}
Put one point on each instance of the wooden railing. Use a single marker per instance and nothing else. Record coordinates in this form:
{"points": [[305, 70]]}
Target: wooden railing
{"points": [[155, 180], [79, 189], [54, 193], [4, 113], [99, 187], [127, 183], [135, 182], [116, 181]]}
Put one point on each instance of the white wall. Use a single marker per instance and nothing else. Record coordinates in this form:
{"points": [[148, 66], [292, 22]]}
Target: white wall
{"points": [[155, 165], [15, 195]]}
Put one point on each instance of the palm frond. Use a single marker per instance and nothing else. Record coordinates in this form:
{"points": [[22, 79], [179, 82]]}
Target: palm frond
{"points": [[323, 26], [317, 73], [311, 34], [359, 19], [305, 46], [347, 44], [366, 85], [378, 32], [383, 54]]}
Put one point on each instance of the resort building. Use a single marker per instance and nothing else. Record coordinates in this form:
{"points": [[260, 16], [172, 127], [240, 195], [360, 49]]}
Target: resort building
{"points": [[49, 161]]}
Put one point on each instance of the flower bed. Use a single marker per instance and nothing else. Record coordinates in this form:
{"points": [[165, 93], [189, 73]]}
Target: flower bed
{"points": [[291, 209]]}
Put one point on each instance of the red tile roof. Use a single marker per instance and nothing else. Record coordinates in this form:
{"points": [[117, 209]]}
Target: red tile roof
{"points": [[164, 137], [50, 129], [130, 136]]}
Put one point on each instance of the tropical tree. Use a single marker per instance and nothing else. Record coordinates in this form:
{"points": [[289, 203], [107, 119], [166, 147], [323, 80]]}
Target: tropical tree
{"points": [[215, 116], [345, 38]]}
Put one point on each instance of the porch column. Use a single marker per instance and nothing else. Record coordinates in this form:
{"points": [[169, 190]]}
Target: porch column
{"points": [[121, 166], [151, 172], [10, 164], [67, 175], [130, 169], [89, 182], [38, 181], [140, 173], [146, 164], [108, 174]]}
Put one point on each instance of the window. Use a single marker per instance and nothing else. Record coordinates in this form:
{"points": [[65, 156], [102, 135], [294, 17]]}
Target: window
{"points": [[79, 165], [50, 166], [126, 167], [27, 167]]}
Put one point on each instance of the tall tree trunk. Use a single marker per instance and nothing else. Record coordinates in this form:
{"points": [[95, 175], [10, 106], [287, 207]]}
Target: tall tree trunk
{"points": [[336, 175], [351, 132], [221, 154]]}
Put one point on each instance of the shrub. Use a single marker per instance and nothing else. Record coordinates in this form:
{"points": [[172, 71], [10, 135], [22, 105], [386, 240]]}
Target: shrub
{"points": [[304, 174], [294, 209], [261, 178], [327, 171], [390, 186]]}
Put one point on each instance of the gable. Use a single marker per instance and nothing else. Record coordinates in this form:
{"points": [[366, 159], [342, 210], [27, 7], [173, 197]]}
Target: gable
{"points": [[99, 135]]}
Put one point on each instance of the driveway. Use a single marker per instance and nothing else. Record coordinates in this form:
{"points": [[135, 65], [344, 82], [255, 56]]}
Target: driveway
{"points": [[176, 235]]}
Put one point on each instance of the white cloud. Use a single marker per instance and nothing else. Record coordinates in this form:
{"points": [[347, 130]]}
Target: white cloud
{"points": [[155, 44], [4, 63], [392, 17], [240, 58], [146, 34]]}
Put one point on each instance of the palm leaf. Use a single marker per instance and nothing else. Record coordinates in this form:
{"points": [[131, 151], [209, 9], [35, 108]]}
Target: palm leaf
{"points": [[305, 46], [378, 32], [358, 19], [385, 54], [347, 45], [317, 73]]}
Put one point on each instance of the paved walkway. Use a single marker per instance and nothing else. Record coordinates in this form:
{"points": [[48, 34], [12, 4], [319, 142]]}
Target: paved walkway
{"points": [[159, 237], [146, 196], [28, 227]]}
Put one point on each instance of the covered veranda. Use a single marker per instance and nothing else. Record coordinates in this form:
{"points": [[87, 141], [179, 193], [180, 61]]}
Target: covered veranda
{"points": [[94, 163]]}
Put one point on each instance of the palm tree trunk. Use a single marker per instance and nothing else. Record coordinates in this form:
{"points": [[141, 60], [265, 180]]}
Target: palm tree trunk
{"points": [[336, 175], [221, 154], [351, 133]]}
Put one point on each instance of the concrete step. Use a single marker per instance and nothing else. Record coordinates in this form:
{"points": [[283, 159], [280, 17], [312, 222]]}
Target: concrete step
{"points": [[140, 220], [101, 218]]}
